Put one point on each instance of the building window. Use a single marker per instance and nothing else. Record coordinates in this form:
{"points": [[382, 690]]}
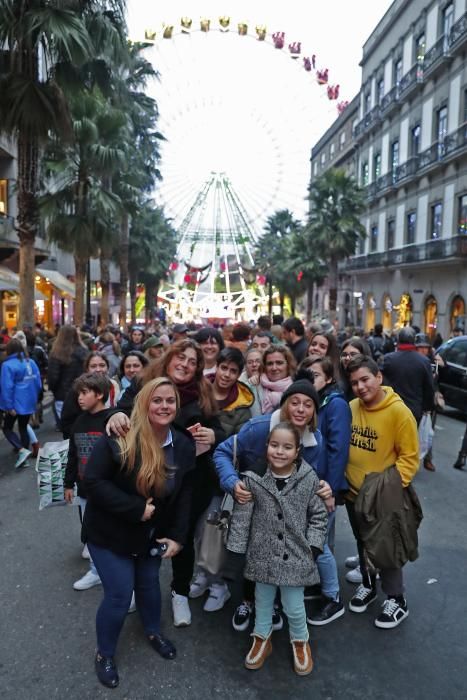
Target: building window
{"points": [[420, 47], [442, 129], [415, 135], [373, 239], [462, 224], [315, 168], [397, 71], [361, 246], [380, 90], [365, 174], [323, 158], [331, 150], [394, 159], [367, 102], [448, 21], [377, 166], [342, 141], [411, 226], [436, 220], [391, 233], [4, 197]]}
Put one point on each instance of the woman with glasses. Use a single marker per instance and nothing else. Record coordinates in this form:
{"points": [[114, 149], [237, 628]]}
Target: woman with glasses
{"points": [[351, 348]]}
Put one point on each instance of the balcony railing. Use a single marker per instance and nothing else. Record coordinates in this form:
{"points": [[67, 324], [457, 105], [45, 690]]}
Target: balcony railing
{"points": [[6, 226], [438, 51], [390, 100], [385, 181], [411, 79], [407, 169], [439, 249], [458, 32], [370, 119], [429, 156]]}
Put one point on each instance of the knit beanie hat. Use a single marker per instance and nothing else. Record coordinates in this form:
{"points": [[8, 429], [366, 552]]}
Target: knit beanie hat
{"points": [[303, 384]]}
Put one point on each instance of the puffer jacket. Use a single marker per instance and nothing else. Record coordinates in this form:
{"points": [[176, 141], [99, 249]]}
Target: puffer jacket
{"points": [[236, 414], [334, 423], [20, 385], [278, 529]]}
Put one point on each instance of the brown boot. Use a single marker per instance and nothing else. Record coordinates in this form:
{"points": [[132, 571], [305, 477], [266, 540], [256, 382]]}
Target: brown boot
{"points": [[259, 652], [428, 464], [302, 659], [35, 449]]}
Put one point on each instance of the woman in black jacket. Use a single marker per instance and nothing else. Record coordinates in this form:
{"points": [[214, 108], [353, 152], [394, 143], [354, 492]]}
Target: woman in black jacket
{"points": [[139, 494], [183, 363], [66, 361]]}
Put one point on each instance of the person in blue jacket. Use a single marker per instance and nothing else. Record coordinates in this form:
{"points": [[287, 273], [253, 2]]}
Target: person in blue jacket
{"points": [[334, 423], [20, 385], [299, 405]]}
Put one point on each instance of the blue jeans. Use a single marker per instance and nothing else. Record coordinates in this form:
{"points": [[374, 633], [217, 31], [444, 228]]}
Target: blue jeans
{"points": [[293, 604], [326, 563], [120, 576], [82, 503]]}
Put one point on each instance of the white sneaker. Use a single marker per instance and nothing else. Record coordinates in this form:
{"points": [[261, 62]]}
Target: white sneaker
{"points": [[181, 610], [354, 575], [199, 585], [23, 454], [87, 581], [85, 553], [352, 562], [132, 607], [218, 596]]}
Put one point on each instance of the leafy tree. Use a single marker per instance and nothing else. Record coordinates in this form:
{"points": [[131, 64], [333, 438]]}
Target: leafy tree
{"points": [[334, 226], [36, 34]]}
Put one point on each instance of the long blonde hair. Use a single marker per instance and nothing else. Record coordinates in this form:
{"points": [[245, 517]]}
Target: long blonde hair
{"points": [[141, 443]]}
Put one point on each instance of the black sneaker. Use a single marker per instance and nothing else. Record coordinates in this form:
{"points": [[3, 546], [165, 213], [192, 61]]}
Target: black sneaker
{"points": [[328, 611], [277, 621], [393, 612], [106, 670], [313, 592], [362, 599], [242, 616]]}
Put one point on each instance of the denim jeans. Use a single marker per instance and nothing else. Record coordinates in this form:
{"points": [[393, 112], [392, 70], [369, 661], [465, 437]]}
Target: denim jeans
{"points": [[326, 564], [120, 575], [293, 605], [82, 503], [11, 436]]}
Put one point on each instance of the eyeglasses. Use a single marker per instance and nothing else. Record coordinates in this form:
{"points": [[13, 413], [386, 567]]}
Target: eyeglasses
{"points": [[349, 355]]}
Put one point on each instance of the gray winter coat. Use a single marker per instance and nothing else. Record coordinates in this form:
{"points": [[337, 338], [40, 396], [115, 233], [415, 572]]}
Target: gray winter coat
{"points": [[277, 528]]}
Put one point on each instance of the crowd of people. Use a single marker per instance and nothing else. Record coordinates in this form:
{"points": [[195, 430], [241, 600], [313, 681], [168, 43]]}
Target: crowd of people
{"points": [[292, 422]]}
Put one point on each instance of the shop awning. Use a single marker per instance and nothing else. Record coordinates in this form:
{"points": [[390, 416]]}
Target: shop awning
{"points": [[58, 280], [9, 280]]}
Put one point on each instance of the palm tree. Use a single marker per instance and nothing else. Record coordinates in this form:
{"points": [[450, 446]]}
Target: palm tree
{"points": [[334, 226], [38, 36], [272, 250]]}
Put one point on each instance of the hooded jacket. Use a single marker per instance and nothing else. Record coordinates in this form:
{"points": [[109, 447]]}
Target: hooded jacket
{"points": [[238, 411], [334, 420], [278, 529], [382, 435], [60, 376], [20, 385]]}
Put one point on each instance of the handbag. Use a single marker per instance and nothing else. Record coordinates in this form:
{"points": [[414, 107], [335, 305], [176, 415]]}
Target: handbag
{"points": [[212, 550], [50, 468]]}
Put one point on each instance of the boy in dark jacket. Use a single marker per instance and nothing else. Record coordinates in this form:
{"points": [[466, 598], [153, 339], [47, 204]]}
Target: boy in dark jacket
{"points": [[93, 391]]}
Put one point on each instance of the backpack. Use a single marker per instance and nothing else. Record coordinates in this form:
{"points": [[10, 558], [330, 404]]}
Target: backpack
{"points": [[376, 343]]}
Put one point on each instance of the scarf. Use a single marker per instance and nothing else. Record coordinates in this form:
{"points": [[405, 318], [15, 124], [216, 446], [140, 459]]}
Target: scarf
{"points": [[272, 392], [188, 392], [405, 346]]}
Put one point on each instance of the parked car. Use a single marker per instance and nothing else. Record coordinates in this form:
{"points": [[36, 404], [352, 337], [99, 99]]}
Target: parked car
{"points": [[453, 376]]}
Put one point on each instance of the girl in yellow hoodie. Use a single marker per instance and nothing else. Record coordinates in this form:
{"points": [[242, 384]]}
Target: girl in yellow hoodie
{"points": [[384, 433]]}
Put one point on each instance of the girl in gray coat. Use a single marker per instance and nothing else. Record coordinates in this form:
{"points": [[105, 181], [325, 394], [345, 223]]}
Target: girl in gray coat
{"points": [[281, 531]]}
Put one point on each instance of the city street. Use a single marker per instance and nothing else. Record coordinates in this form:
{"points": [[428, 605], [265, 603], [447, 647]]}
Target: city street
{"points": [[47, 629]]}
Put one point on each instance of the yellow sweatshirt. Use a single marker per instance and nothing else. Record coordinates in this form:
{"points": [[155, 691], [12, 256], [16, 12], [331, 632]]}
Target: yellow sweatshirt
{"points": [[383, 435]]}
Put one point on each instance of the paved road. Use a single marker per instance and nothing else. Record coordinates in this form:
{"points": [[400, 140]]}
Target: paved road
{"points": [[47, 629]]}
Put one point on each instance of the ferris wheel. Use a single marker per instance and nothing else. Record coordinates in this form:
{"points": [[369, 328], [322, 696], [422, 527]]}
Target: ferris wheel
{"points": [[239, 119]]}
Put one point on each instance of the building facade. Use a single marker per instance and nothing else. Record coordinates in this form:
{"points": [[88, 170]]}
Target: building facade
{"points": [[410, 156]]}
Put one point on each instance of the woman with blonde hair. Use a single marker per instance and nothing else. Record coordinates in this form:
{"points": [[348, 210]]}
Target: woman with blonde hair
{"points": [[183, 364], [66, 361], [139, 494]]}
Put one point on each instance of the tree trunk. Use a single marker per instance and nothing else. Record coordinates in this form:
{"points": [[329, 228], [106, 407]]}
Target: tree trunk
{"points": [[333, 282], [28, 224], [133, 281], [150, 284], [269, 297], [292, 304], [105, 286], [309, 300], [281, 301], [124, 255], [80, 281]]}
